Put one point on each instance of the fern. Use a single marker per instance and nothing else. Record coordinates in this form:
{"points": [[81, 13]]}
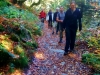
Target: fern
{"points": [[93, 60], [22, 61]]}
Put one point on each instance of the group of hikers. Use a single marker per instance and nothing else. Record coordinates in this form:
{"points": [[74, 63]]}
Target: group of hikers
{"points": [[69, 21]]}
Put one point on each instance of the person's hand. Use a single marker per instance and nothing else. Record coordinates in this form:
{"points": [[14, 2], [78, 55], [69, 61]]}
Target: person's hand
{"points": [[61, 20], [63, 29], [80, 29]]}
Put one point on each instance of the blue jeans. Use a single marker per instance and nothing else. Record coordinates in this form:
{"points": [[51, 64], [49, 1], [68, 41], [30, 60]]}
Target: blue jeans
{"points": [[42, 20]]}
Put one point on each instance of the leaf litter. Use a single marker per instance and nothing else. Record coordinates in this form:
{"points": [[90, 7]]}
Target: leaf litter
{"points": [[53, 62]]}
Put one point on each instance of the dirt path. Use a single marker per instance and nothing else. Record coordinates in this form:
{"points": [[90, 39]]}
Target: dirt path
{"points": [[49, 59]]}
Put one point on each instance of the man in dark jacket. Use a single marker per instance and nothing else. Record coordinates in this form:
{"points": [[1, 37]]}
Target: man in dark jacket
{"points": [[55, 26], [71, 23], [50, 14]]}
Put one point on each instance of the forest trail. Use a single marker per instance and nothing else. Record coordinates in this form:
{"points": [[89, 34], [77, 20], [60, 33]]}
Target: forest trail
{"points": [[49, 59]]}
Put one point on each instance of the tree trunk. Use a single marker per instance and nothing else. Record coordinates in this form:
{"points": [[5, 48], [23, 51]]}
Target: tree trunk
{"points": [[36, 3]]}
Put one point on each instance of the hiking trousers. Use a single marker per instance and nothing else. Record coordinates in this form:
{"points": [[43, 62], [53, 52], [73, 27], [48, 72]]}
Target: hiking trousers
{"points": [[70, 38]]}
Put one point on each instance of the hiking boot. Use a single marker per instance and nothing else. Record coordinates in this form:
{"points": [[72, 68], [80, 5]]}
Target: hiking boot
{"points": [[60, 42], [56, 33], [72, 51], [52, 33], [66, 53]]}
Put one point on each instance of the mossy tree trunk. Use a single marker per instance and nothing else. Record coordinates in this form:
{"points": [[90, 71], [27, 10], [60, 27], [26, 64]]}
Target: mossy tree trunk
{"points": [[36, 3]]}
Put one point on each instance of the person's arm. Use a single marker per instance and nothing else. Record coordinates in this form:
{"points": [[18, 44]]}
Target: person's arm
{"points": [[54, 17], [79, 20], [45, 14], [64, 21], [58, 18]]}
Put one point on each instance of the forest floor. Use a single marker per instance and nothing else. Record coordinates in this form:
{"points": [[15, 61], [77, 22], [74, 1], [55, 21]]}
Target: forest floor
{"points": [[49, 58]]}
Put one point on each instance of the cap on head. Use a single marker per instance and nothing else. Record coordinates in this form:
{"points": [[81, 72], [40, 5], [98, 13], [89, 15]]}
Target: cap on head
{"points": [[57, 8]]}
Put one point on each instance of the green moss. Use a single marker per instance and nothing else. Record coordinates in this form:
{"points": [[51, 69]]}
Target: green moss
{"points": [[1, 28], [22, 61], [5, 56], [14, 37], [33, 44], [3, 3]]}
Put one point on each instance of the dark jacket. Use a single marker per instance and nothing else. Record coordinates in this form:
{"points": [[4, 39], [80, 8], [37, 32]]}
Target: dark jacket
{"points": [[50, 16], [72, 20], [55, 16]]}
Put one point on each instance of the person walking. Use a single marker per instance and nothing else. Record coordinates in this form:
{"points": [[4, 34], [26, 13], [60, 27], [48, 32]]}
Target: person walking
{"points": [[42, 16], [71, 23], [50, 18], [55, 23], [60, 18]]}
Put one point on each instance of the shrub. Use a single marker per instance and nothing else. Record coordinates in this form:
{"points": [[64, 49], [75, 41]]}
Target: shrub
{"points": [[92, 60], [22, 61]]}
